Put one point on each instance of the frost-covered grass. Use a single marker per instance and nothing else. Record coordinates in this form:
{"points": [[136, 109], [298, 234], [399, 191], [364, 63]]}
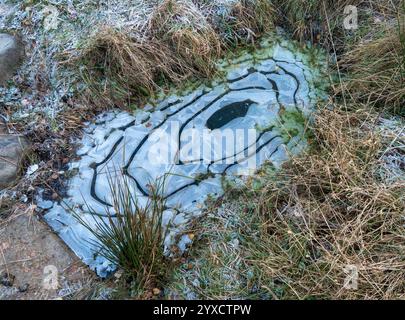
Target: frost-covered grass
{"points": [[295, 232], [335, 213], [187, 33], [181, 38], [60, 86]]}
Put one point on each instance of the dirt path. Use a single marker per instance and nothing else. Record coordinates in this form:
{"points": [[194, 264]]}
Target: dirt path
{"points": [[34, 262]]}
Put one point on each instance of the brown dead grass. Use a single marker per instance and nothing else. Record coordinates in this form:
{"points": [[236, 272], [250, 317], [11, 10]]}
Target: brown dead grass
{"points": [[321, 21], [178, 44], [326, 212], [304, 231], [249, 20], [312, 20], [376, 71], [119, 67], [186, 31]]}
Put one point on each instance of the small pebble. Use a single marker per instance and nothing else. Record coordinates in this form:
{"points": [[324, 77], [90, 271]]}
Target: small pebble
{"points": [[23, 288], [7, 279]]}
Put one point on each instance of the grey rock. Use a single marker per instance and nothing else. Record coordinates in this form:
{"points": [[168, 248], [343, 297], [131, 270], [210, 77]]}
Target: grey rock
{"points": [[45, 204], [7, 279], [11, 56], [180, 219], [12, 151], [256, 90]]}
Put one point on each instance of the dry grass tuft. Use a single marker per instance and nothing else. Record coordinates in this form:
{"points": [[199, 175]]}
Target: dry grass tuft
{"points": [[131, 235], [186, 31], [248, 20], [376, 71], [179, 41], [308, 20], [304, 231], [321, 21], [327, 212], [119, 68]]}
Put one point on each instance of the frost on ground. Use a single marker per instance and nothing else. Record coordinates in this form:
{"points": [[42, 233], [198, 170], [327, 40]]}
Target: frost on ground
{"points": [[222, 267], [56, 31], [271, 91], [392, 159], [52, 30]]}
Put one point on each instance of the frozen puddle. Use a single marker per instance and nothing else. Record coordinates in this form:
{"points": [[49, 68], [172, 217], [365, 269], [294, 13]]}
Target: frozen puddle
{"points": [[199, 139]]}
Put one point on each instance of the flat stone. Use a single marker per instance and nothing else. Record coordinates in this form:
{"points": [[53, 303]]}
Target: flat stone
{"points": [[12, 151], [11, 55], [195, 139]]}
